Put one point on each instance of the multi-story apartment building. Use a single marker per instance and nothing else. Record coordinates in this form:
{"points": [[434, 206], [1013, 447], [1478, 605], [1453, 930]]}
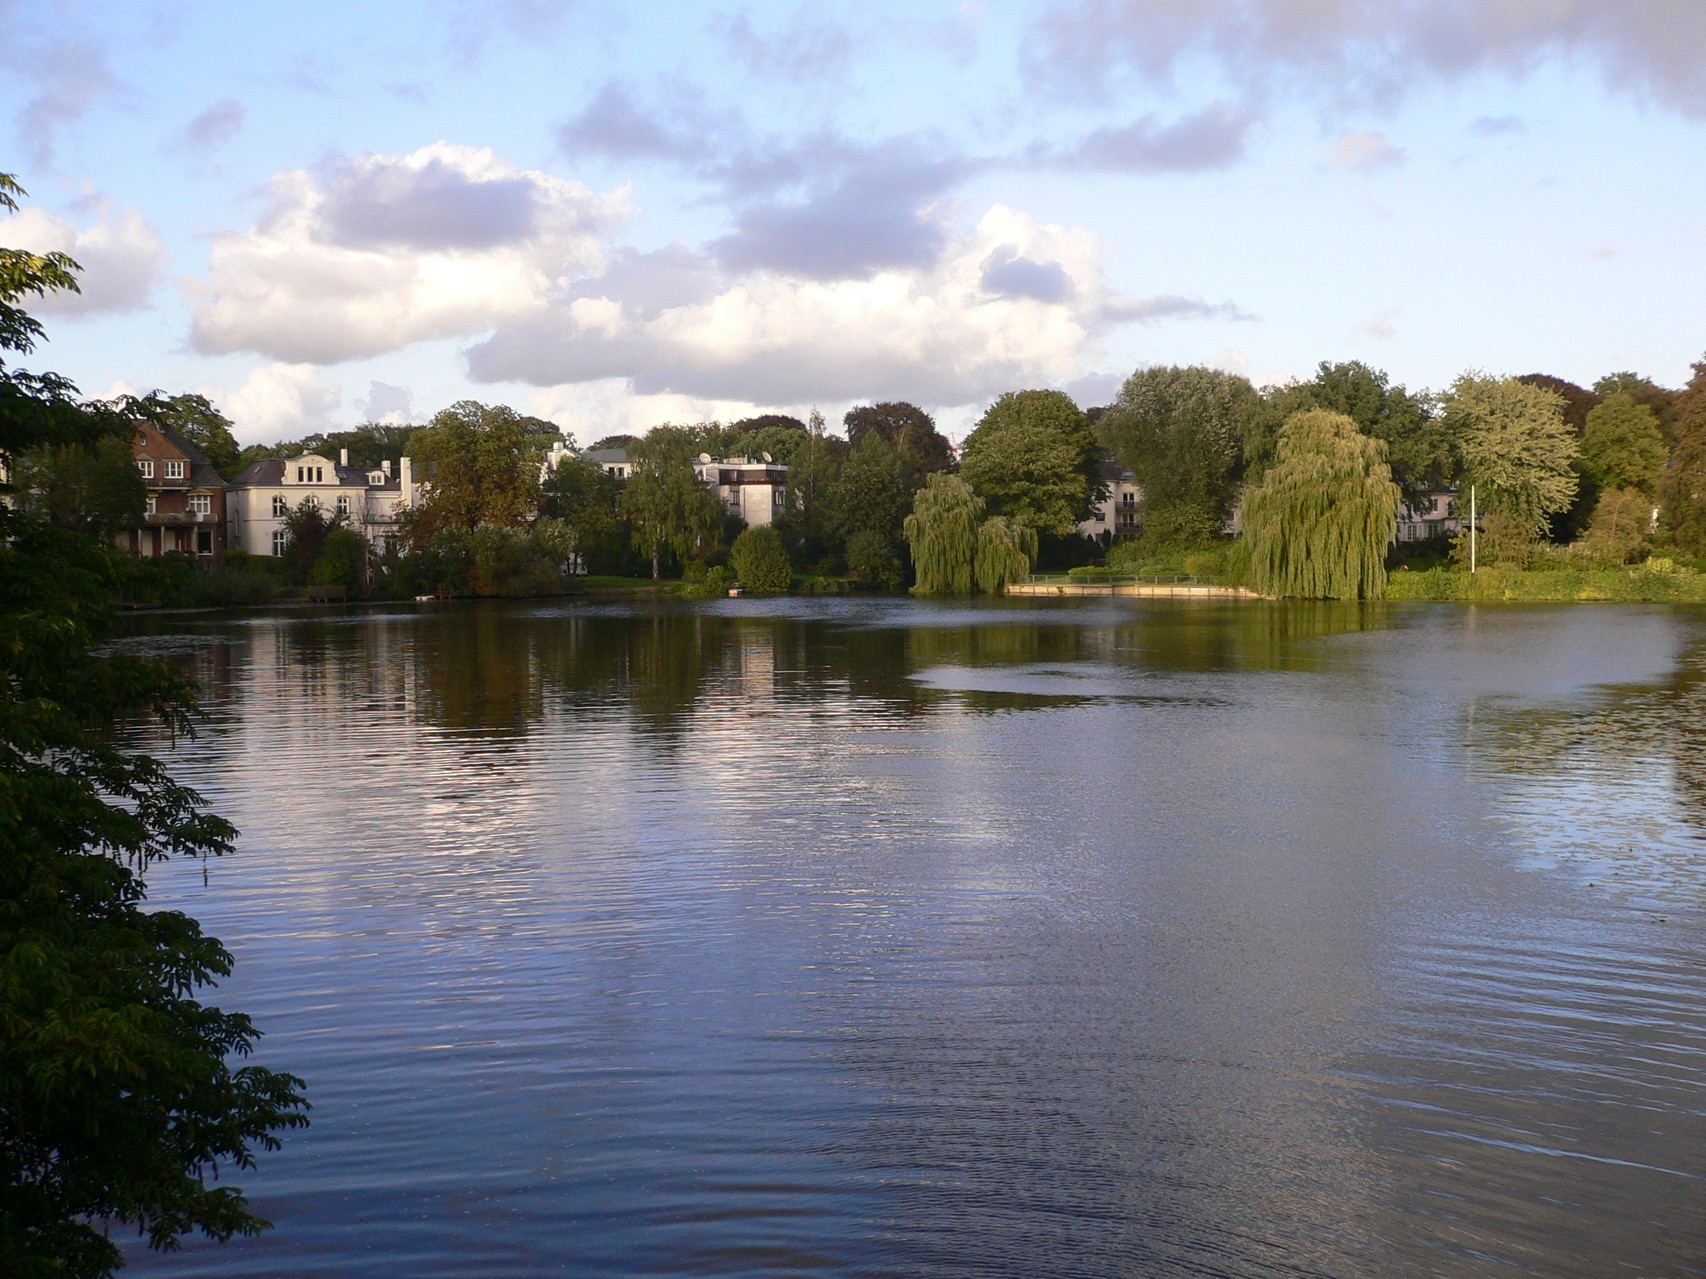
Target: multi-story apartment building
{"points": [[371, 499], [756, 489], [1117, 516], [185, 514]]}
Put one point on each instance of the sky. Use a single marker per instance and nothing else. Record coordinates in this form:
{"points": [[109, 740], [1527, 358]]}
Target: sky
{"points": [[616, 215]]}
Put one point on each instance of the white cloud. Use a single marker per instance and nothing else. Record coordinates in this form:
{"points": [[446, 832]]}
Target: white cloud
{"points": [[380, 252], [279, 401], [1365, 150], [122, 259], [935, 335], [1381, 325]]}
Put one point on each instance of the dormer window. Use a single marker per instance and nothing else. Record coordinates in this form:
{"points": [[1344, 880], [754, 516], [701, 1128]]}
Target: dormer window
{"points": [[174, 470]]}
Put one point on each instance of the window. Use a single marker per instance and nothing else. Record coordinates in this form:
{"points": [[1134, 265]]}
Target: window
{"points": [[201, 503], [145, 465], [280, 507], [280, 541], [174, 470], [310, 503], [204, 541], [151, 510], [343, 504]]}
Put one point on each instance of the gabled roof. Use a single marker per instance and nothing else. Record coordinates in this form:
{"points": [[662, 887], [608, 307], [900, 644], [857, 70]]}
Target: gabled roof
{"points": [[202, 472]]}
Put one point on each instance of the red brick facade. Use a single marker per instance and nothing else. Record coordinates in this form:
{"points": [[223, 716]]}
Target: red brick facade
{"points": [[186, 498]]}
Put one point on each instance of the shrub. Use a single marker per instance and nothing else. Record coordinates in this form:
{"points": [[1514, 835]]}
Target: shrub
{"points": [[761, 561], [872, 561]]}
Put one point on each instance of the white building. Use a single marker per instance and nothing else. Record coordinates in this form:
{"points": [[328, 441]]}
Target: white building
{"points": [[369, 499], [756, 489], [1437, 516], [1117, 516]]}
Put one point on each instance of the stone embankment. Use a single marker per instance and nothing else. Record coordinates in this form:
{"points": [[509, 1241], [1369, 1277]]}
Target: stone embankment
{"points": [[1152, 588]]}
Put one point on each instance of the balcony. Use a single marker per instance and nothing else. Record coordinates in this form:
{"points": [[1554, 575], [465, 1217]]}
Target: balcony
{"points": [[167, 518]]}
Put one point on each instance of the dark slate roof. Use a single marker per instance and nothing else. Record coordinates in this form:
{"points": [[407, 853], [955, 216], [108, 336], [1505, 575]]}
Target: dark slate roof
{"points": [[606, 455], [270, 470]]}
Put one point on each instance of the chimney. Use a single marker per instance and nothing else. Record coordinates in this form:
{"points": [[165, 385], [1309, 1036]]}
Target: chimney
{"points": [[386, 467], [406, 478], [343, 457]]}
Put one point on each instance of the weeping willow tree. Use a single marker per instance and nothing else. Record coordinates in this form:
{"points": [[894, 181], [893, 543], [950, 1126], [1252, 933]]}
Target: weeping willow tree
{"points": [[942, 532], [1005, 550], [955, 548], [1319, 523]]}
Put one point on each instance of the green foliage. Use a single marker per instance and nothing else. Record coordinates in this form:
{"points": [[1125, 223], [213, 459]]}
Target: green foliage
{"points": [[871, 493], [872, 561], [120, 1093], [585, 504], [760, 561], [942, 532], [90, 486], [923, 449], [1418, 445], [507, 562], [1622, 446], [1500, 538], [1034, 458], [805, 523], [1655, 581], [1514, 447], [1620, 530], [1683, 492], [1180, 432], [663, 500], [484, 463], [1005, 552], [193, 418], [442, 565], [342, 560], [1319, 523]]}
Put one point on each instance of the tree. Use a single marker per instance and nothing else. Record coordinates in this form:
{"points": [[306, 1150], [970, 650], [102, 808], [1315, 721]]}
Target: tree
{"points": [[805, 523], [870, 493], [1618, 532], [1643, 390], [195, 419], [1034, 458], [583, 500], [1682, 495], [91, 486], [1578, 401], [955, 548], [342, 560], [118, 1089], [1005, 552], [872, 562], [1179, 431], [664, 501], [1418, 446], [1622, 446], [1514, 446], [923, 449], [485, 462], [1319, 523], [942, 532], [761, 561]]}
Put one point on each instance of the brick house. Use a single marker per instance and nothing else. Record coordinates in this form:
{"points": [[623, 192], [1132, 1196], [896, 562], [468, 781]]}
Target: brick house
{"points": [[186, 498]]}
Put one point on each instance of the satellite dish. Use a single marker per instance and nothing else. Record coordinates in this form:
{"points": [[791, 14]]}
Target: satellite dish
{"points": [[704, 457], [765, 456]]}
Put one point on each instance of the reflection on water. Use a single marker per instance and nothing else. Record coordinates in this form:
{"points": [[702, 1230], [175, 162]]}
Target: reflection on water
{"points": [[883, 938]]}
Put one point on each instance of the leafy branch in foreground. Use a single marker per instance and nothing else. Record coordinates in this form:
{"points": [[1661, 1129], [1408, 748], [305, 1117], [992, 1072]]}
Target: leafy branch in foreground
{"points": [[119, 1097]]}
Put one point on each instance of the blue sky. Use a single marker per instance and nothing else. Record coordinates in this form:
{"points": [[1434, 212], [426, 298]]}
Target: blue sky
{"points": [[615, 216]]}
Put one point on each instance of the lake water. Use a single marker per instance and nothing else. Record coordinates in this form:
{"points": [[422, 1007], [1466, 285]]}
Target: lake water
{"points": [[872, 937]]}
